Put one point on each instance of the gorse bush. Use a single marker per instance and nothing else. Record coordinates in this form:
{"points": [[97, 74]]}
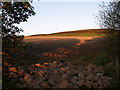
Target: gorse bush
{"points": [[114, 72], [102, 59]]}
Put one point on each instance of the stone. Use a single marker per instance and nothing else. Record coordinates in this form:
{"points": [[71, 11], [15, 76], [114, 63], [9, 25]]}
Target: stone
{"points": [[41, 73], [51, 82], [12, 69], [98, 74], [68, 72], [106, 82], [73, 80], [64, 76], [95, 78], [26, 76], [35, 83], [63, 84], [81, 76], [99, 82], [28, 80], [55, 79], [37, 65], [88, 84], [64, 69], [20, 72], [108, 78], [80, 83], [89, 77], [74, 71], [35, 86], [84, 72], [79, 67], [70, 85], [95, 85], [44, 85], [55, 72]]}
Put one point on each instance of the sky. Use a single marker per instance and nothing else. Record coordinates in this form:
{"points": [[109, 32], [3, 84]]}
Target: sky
{"points": [[61, 15]]}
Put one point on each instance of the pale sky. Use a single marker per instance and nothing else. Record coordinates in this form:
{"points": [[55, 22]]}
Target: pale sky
{"points": [[61, 16]]}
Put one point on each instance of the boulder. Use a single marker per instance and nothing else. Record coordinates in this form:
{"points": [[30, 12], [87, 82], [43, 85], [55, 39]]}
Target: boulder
{"points": [[88, 84], [63, 84], [95, 78], [55, 72], [80, 83], [64, 76], [99, 82], [89, 77], [81, 76], [95, 85], [35, 83], [73, 79], [45, 85]]}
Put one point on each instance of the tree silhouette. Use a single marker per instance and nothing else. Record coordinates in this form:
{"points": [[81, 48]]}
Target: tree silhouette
{"points": [[109, 15], [14, 13]]}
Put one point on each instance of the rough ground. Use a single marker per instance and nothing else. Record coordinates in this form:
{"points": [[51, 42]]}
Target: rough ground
{"points": [[47, 49]]}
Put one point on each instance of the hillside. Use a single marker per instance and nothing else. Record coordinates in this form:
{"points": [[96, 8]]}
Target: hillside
{"points": [[87, 32]]}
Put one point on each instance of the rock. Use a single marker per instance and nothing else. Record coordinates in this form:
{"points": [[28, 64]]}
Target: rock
{"points": [[108, 78], [35, 86], [88, 84], [55, 72], [41, 73], [71, 85], [20, 72], [28, 80], [26, 76], [73, 80], [74, 71], [12, 69], [96, 70], [79, 67], [60, 64], [64, 69], [98, 74], [89, 77], [84, 72], [80, 83], [51, 82], [64, 76], [101, 69], [81, 76], [55, 79], [95, 78], [99, 82], [106, 82], [37, 65], [35, 83], [63, 84], [95, 85], [44, 85], [68, 72], [75, 86]]}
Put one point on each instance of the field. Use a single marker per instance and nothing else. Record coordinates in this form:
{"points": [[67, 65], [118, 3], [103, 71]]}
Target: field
{"points": [[65, 46]]}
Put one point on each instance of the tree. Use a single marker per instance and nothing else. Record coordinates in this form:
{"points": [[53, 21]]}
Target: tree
{"points": [[14, 13], [109, 15], [109, 18]]}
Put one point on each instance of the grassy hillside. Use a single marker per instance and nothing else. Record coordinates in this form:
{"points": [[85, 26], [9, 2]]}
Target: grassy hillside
{"points": [[88, 32]]}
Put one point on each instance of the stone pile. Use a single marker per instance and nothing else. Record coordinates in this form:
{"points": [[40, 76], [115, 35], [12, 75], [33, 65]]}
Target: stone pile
{"points": [[59, 75]]}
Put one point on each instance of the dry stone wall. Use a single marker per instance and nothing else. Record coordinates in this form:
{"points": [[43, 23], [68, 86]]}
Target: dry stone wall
{"points": [[59, 75]]}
